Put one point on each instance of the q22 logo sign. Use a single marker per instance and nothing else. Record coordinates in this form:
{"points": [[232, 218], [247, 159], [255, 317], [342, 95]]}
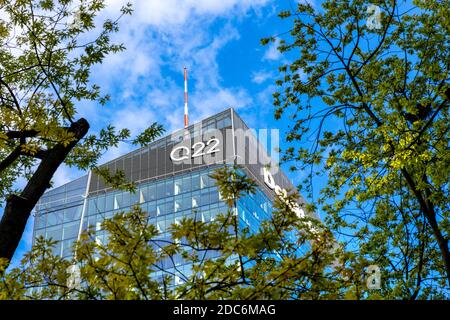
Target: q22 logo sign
{"points": [[198, 149]]}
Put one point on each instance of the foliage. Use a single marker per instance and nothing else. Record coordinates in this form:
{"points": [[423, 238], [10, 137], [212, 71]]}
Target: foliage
{"points": [[266, 264], [47, 52], [45, 64], [375, 101]]}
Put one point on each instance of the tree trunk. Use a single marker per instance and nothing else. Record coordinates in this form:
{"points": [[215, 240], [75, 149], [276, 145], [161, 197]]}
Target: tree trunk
{"points": [[427, 209], [18, 207]]}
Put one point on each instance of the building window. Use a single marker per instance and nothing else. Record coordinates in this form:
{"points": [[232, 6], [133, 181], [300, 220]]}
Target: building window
{"points": [[70, 230], [67, 247], [152, 192], [196, 182], [169, 188], [134, 198], [187, 184], [164, 208], [177, 204], [141, 196], [109, 202], [54, 233], [39, 233], [101, 203], [91, 221], [55, 217], [178, 186], [91, 206], [160, 190], [57, 249], [118, 201], [151, 208], [195, 200], [161, 226], [213, 195], [206, 216], [39, 221]]}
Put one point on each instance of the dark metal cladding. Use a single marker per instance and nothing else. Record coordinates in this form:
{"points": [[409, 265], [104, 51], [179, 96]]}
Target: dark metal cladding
{"points": [[154, 162]]}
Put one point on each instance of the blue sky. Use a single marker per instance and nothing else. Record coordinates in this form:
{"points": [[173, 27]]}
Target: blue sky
{"points": [[219, 43]]}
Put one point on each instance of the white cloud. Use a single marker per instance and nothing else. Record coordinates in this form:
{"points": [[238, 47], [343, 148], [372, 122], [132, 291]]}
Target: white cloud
{"points": [[134, 118], [164, 36], [210, 102], [146, 81], [264, 98], [272, 52], [178, 12], [261, 76]]}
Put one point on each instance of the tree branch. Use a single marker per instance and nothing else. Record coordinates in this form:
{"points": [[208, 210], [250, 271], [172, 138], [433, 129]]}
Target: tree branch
{"points": [[18, 207]]}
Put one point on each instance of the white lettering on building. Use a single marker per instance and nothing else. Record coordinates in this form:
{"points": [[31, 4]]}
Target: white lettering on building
{"points": [[282, 194], [198, 149]]}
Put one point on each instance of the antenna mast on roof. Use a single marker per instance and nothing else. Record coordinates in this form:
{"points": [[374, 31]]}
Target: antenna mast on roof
{"points": [[186, 118]]}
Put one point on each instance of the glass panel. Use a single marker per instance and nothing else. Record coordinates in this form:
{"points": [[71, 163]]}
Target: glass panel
{"points": [[227, 122], [187, 184], [134, 198], [57, 200], [55, 217], [214, 196], [143, 190], [206, 216], [109, 202], [169, 188], [57, 249], [92, 221], [101, 203], [67, 247], [204, 197], [187, 202], [207, 180], [55, 233], [160, 190], [178, 204], [195, 201], [161, 226], [214, 213], [203, 181], [73, 213], [167, 208], [70, 230], [159, 209], [126, 200], [40, 220], [142, 195], [92, 206], [220, 124], [178, 186], [151, 208], [109, 215], [151, 193], [39, 233], [74, 194]]}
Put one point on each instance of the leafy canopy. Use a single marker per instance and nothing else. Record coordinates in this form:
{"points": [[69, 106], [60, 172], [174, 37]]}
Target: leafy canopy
{"points": [[226, 263], [375, 104]]}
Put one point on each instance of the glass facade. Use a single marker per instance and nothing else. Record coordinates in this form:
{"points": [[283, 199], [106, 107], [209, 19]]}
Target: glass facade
{"points": [[58, 214], [168, 192], [166, 201]]}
